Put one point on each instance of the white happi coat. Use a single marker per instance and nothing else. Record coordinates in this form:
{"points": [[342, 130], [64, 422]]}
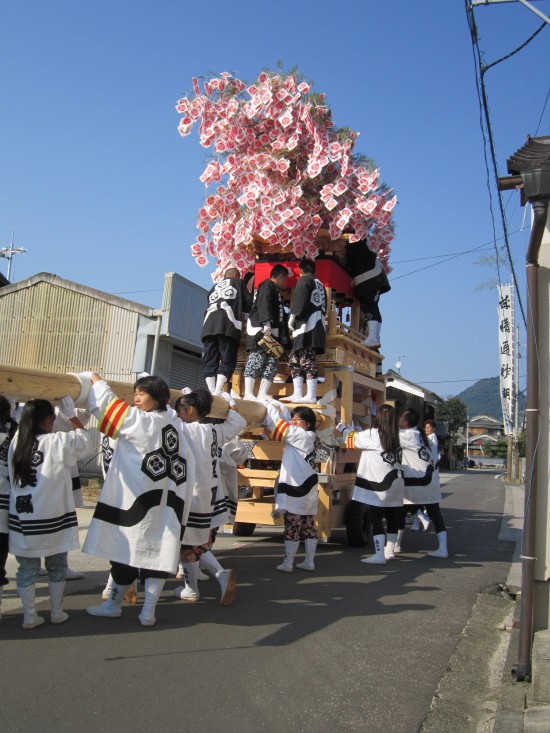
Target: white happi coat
{"points": [[63, 424], [379, 480], [434, 445], [208, 503], [42, 514], [296, 489], [144, 500], [4, 478], [421, 479], [234, 454]]}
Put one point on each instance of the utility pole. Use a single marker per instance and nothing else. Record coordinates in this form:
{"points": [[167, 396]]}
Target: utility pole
{"points": [[9, 253]]}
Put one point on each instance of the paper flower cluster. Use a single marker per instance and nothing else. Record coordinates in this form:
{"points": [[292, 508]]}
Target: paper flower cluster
{"points": [[280, 172]]}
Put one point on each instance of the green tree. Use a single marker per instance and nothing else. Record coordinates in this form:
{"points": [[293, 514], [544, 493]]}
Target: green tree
{"points": [[454, 412]]}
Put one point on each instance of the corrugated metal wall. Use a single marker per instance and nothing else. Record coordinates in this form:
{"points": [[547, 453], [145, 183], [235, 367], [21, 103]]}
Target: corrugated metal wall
{"points": [[184, 303], [53, 328], [185, 371]]}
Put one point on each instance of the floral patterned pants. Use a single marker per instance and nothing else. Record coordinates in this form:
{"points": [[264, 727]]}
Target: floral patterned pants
{"points": [[302, 363], [300, 527], [261, 364]]}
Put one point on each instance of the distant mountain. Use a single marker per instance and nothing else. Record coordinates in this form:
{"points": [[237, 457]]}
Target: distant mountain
{"points": [[483, 398]]}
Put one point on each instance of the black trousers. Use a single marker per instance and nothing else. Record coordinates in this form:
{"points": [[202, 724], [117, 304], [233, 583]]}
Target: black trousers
{"points": [[432, 510], [377, 514], [219, 356], [126, 574]]}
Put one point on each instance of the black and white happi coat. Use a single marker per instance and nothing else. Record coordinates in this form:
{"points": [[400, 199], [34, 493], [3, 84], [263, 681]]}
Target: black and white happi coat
{"points": [[234, 454], [267, 308], [296, 488], [421, 478], [379, 480], [227, 301], [42, 514], [309, 306], [5, 441], [144, 500], [368, 275], [208, 500]]}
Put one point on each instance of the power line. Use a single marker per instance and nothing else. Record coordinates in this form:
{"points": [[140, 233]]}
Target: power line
{"points": [[542, 113], [484, 115], [479, 248]]}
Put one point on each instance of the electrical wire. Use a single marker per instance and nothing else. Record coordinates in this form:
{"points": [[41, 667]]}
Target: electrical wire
{"points": [[543, 109], [485, 118]]}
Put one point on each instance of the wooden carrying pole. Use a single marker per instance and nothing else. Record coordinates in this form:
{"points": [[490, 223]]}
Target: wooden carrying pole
{"points": [[27, 384]]}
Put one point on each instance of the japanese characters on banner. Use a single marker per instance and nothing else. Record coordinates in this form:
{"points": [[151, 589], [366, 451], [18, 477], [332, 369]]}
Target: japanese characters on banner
{"points": [[506, 342], [280, 172]]}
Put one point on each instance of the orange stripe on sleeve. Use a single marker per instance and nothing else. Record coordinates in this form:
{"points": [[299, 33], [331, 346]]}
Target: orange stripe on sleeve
{"points": [[280, 430], [113, 417], [350, 440]]}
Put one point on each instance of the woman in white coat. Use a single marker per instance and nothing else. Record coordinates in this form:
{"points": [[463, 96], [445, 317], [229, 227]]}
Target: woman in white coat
{"points": [[379, 481]]}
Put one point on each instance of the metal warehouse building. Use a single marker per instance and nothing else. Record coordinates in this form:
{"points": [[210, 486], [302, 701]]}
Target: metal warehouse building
{"points": [[56, 325]]}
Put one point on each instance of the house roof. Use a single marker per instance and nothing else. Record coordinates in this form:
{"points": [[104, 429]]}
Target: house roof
{"points": [[485, 420], [396, 380], [78, 288]]}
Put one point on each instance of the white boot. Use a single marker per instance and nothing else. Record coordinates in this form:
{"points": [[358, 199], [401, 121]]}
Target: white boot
{"points": [[389, 549], [190, 591], [442, 549], [308, 564], [311, 396], [297, 395], [291, 548], [106, 592], [221, 380], [227, 580], [58, 616], [265, 384], [210, 384], [110, 608], [153, 589], [30, 619], [397, 548], [249, 383], [373, 339], [378, 557]]}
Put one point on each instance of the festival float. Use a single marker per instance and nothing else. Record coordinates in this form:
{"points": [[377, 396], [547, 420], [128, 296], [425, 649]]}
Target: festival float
{"points": [[284, 183]]}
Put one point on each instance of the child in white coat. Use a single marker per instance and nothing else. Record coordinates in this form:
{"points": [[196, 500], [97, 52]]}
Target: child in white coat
{"points": [[42, 514], [296, 492]]}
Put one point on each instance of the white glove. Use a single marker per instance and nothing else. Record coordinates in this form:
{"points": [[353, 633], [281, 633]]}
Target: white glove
{"points": [[227, 397], [267, 328], [85, 375], [66, 407], [291, 322]]}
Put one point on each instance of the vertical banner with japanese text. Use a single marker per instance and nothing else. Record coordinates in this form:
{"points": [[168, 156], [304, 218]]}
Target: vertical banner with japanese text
{"points": [[506, 343]]}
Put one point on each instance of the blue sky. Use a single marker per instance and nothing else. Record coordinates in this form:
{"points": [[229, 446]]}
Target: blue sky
{"points": [[100, 188]]}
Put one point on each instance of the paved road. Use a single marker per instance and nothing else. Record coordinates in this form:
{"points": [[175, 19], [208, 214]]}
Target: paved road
{"points": [[349, 648]]}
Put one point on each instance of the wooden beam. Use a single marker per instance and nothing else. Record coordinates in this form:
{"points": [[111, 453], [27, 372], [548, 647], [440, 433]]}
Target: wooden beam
{"points": [[27, 384]]}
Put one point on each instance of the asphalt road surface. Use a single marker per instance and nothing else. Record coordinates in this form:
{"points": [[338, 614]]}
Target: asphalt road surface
{"points": [[350, 647]]}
